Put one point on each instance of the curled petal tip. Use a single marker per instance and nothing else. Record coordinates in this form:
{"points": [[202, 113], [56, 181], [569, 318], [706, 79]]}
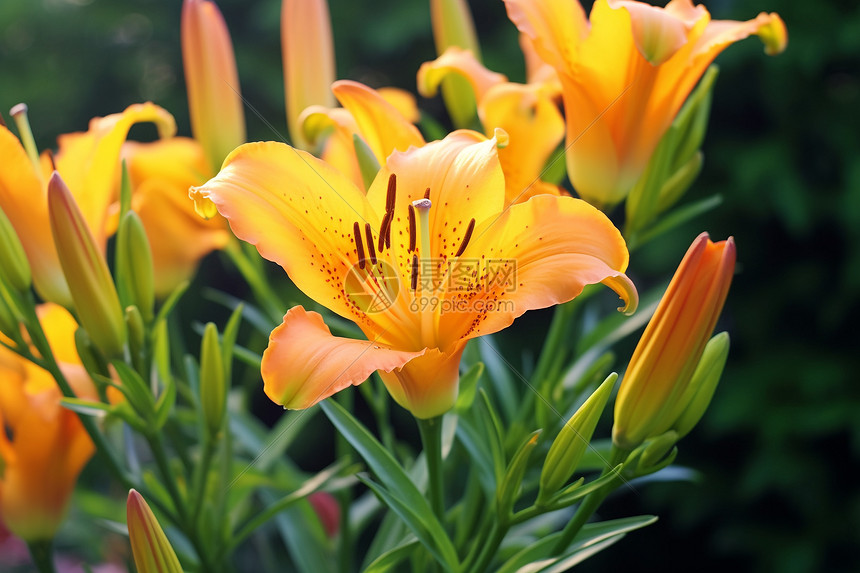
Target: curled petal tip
{"points": [[502, 138], [625, 288], [773, 34]]}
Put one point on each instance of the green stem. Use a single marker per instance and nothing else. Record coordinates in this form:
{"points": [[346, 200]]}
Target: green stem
{"points": [[345, 555], [489, 549], [259, 286], [591, 502], [431, 439], [42, 552], [201, 472]]}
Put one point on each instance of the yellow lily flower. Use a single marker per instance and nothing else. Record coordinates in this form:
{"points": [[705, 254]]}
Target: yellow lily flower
{"points": [[374, 115], [45, 446], [89, 164], [308, 55], [427, 259], [625, 73], [653, 393], [212, 81], [528, 113], [161, 174]]}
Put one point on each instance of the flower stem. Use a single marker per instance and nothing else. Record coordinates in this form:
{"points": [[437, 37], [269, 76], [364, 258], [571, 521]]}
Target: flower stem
{"points": [[591, 502], [261, 289], [431, 439], [42, 552]]}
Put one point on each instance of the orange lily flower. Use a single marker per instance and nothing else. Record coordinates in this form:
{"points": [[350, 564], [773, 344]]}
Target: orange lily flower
{"points": [[625, 73], [653, 393], [45, 446], [528, 113], [308, 54], [377, 116], [420, 272], [89, 164], [162, 172]]}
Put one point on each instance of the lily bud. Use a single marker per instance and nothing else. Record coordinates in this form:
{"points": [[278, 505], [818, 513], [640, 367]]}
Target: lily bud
{"points": [[213, 387], [86, 271], [676, 161], [654, 390], [572, 440], [149, 545], [13, 259], [308, 53], [134, 266], [704, 383], [453, 26], [214, 99]]}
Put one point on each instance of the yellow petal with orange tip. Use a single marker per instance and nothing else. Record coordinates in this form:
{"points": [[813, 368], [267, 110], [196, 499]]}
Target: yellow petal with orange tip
{"points": [[379, 123], [89, 161], [534, 255], [456, 60], [535, 127], [304, 363], [298, 211]]}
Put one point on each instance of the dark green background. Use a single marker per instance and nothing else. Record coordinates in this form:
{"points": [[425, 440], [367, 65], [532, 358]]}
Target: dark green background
{"points": [[779, 448]]}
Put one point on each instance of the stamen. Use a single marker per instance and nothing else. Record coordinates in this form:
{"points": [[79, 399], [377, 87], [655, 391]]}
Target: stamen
{"points": [[19, 114], [427, 193], [384, 228], [412, 235], [359, 247], [466, 238], [387, 231], [414, 272], [50, 154], [368, 232], [392, 193]]}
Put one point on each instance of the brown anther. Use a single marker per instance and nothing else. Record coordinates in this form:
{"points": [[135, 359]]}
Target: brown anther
{"points": [[392, 193], [412, 233], [368, 232], [385, 231], [359, 247], [466, 238], [50, 155], [427, 193], [414, 272]]}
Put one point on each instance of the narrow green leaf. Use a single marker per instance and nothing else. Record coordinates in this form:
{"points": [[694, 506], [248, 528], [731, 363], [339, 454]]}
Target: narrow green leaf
{"points": [[392, 557], [469, 386], [428, 531], [591, 535], [86, 407]]}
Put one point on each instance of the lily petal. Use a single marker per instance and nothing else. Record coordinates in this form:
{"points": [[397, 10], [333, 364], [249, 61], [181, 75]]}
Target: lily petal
{"points": [[298, 211], [89, 161], [161, 174], [538, 254], [456, 60], [427, 386], [304, 363], [379, 123], [24, 200], [535, 127], [555, 27]]}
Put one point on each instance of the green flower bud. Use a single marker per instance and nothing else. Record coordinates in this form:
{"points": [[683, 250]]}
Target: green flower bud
{"points": [[13, 259], [453, 26], [86, 272], [213, 387], [704, 383], [572, 440], [509, 489], [134, 272], [654, 452], [149, 545], [367, 163]]}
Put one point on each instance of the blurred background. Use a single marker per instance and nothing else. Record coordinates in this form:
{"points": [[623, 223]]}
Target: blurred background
{"points": [[779, 450]]}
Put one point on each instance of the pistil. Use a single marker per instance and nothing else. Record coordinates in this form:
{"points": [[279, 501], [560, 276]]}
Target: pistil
{"points": [[19, 114], [427, 286]]}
